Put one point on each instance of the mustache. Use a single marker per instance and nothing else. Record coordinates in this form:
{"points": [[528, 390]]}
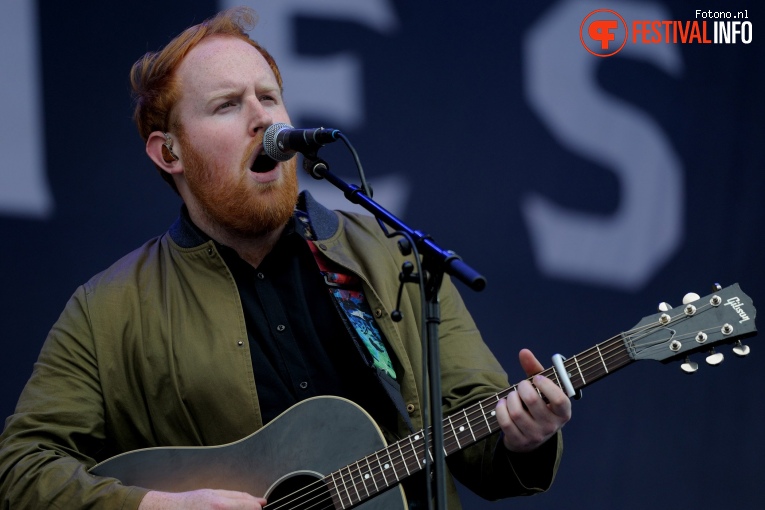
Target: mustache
{"points": [[255, 145]]}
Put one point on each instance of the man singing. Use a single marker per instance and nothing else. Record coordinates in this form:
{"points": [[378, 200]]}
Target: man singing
{"points": [[210, 331]]}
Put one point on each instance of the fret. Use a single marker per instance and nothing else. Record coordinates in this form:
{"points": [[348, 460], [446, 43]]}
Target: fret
{"points": [[462, 439], [570, 365], [363, 476], [493, 414], [403, 458], [371, 474], [454, 433], [485, 419], [345, 487], [395, 456], [467, 422], [602, 360], [421, 440], [337, 490], [353, 484], [557, 379], [390, 465], [382, 471], [413, 457], [420, 463], [576, 362]]}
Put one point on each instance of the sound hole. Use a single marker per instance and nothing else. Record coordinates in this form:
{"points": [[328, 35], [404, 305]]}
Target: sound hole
{"points": [[299, 491]]}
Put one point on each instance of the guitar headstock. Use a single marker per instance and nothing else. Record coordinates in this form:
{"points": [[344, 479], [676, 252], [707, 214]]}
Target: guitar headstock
{"points": [[726, 316]]}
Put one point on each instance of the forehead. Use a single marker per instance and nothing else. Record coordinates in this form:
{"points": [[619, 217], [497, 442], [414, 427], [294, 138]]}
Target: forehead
{"points": [[222, 62]]}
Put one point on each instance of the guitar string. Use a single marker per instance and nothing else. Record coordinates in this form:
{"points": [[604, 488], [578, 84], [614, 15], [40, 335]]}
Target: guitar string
{"points": [[471, 422], [589, 357], [418, 450], [584, 362], [322, 485], [483, 418], [597, 356], [295, 501]]}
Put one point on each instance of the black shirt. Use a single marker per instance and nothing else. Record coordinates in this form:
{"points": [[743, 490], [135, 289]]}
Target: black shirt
{"points": [[299, 345]]}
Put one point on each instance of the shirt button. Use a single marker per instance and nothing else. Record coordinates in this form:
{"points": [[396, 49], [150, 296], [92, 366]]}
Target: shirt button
{"points": [[323, 246], [303, 385], [261, 276], [240, 343], [410, 408], [281, 327], [378, 313]]}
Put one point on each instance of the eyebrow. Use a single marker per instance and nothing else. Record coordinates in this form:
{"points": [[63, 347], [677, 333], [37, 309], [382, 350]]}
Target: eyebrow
{"points": [[229, 90], [222, 93]]}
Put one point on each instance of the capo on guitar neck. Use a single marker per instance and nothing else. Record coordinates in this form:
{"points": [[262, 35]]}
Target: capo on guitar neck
{"points": [[563, 376]]}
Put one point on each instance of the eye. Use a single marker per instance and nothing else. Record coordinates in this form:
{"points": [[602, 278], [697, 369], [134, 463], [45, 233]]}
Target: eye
{"points": [[266, 98], [225, 105]]}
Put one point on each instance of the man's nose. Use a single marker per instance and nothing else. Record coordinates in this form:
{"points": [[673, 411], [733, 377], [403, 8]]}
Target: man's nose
{"points": [[260, 117]]}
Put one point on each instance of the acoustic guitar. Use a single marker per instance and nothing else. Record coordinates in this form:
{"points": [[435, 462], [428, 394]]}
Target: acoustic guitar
{"points": [[328, 453]]}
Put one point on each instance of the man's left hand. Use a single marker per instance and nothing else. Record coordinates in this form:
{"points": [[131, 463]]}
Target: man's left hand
{"points": [[527, 421]]}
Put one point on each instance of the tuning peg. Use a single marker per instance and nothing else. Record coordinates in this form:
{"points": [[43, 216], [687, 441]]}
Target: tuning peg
{"points": [[664, 306], [689, 367], [715, 358], [740, 349], [690, 298]]}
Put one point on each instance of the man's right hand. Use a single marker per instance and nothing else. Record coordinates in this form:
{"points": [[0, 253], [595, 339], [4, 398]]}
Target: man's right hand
{"points": [[203, 499]]}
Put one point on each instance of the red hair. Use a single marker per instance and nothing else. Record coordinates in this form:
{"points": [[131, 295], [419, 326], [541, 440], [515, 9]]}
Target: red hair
{"points": [[153, 80]]}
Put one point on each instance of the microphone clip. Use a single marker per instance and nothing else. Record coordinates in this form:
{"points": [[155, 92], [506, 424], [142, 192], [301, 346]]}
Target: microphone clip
{"points": [[315, 166], [407, 275]]}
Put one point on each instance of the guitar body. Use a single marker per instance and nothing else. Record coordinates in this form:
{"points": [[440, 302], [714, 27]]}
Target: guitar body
{"points": [[307, 442]]}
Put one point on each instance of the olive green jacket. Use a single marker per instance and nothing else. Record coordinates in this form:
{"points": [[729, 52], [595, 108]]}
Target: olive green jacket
{"points": [[154, 352]]}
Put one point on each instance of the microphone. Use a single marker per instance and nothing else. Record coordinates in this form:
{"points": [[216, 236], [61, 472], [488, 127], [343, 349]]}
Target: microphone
{"points": [[281, 141]]}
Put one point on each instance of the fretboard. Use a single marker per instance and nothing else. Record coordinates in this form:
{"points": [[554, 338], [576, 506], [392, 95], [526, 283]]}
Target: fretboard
{"points": [[385, 468]]}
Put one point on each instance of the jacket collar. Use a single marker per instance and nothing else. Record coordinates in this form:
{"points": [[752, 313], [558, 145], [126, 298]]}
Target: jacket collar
{"points": [[323, 221]]}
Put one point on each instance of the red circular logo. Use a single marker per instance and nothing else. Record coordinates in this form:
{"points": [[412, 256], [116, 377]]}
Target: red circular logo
{"points": [[602, 31]]}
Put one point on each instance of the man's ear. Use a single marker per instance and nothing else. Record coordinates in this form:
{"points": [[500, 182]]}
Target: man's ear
{"points": [[160, 148]]}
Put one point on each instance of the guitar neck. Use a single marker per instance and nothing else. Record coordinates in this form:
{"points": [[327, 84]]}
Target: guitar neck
{"points": [[593, 364], [385, 468]]}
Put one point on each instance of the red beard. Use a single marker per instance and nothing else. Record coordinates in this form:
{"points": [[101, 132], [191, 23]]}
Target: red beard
{"points": [[241, 207]]}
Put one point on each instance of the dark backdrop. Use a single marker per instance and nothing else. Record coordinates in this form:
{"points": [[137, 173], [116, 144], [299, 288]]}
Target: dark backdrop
{"points": [[586, 189]]}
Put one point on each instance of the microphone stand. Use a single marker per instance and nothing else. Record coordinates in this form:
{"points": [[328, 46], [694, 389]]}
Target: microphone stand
{"points": [[435, 262]]}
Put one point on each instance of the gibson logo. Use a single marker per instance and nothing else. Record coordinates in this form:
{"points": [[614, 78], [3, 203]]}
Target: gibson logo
{"points": [[737, 305]]}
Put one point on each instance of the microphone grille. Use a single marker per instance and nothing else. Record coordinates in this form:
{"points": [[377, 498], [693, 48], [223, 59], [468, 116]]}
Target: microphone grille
{"points": [[269, 142]]}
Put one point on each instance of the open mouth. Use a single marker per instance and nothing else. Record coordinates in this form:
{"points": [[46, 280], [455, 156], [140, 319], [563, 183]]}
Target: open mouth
{"points": [[263, 163]]}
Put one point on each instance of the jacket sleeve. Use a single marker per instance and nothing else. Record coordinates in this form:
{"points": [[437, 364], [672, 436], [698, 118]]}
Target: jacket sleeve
{"points": [[471, 373], [57, 430]]}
